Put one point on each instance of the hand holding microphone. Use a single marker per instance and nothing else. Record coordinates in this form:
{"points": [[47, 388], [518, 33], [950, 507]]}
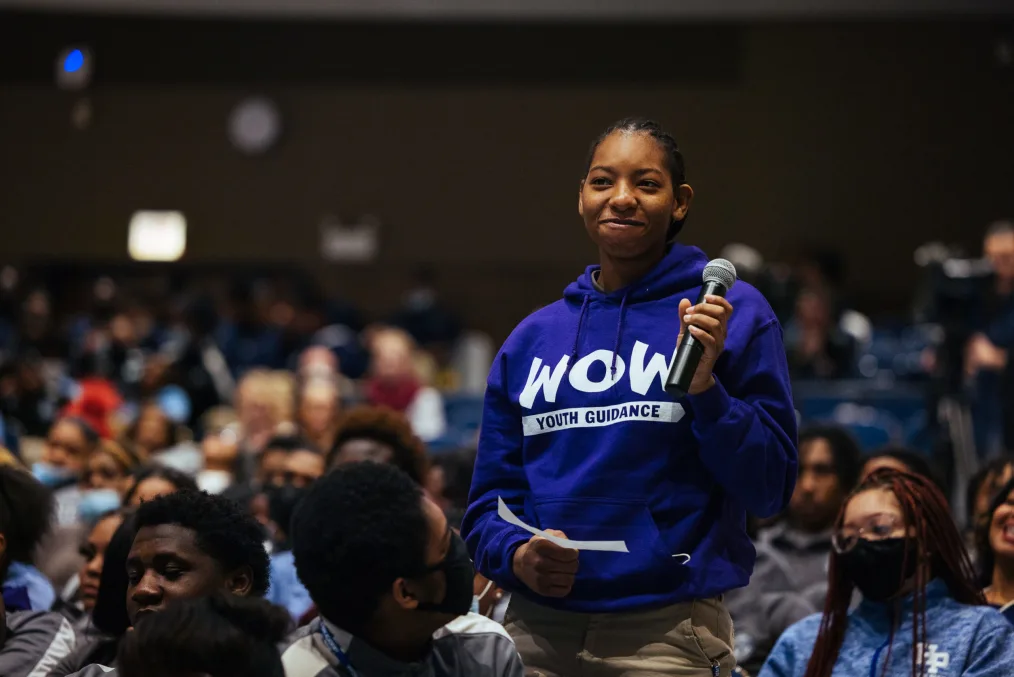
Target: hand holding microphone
{"points": [[703, 328]]}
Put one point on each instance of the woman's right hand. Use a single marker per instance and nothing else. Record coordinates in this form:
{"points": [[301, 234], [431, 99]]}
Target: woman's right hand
{"points": [[545, 567]]}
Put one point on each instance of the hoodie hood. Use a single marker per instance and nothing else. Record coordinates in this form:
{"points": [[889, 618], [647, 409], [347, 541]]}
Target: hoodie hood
{"points": [[681, 269]]}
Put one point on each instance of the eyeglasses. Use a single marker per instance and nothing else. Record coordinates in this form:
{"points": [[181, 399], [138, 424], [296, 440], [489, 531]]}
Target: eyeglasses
{"points": [[874, 528]]}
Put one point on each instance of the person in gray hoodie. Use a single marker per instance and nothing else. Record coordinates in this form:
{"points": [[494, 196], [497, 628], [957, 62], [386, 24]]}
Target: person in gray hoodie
{"points": [[790, 577], [32, 642], [922, 612]]}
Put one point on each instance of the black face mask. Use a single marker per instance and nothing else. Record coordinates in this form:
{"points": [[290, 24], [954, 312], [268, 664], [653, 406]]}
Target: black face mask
{"points": [[878, 568], [282, 502], [457, 568]]}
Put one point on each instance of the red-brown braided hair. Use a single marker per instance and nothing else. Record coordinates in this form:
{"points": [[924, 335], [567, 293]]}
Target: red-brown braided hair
{"points": [[935, 540]]}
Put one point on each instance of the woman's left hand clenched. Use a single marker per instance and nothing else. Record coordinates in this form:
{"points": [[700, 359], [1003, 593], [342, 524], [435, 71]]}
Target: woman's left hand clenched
{"points": [[709, 324]]}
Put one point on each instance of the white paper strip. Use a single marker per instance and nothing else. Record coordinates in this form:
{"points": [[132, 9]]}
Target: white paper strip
{"points": [[607, 546]]}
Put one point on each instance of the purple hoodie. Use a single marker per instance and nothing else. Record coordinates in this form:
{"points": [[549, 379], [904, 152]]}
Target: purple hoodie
{"points": [[578, 434]]}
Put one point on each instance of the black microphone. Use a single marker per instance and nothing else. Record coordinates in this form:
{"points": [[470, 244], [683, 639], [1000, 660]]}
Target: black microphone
{"points": [[719, 276]]}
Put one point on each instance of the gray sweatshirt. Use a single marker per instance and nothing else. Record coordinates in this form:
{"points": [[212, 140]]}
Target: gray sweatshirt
{"points": [[789, 583], [471, 646], [36, 642]]}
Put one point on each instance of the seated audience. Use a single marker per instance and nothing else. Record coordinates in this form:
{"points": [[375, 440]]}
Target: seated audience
{"points": [[218, 635], [320, 361], [190, 544], [26, 514], [318, 410], [991, 325], [293, 461], [449, 480], [220, 453], [392, 581], [98, 642], [32, 642], [984, 485], [995, 544], [394, 383], [153, 432], [264, 400], [901, 459], [106, 480], [273, 460], [65, 455], [286, 590], [316, 361], [153, 481], [922, 610], [304, 467], [380, 435], [815, 346], [790, 577], [80, 595]]}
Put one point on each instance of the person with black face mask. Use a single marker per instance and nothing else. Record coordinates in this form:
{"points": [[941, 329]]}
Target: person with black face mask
{"points": [[392, 582], [922, 611], [285, 590]]}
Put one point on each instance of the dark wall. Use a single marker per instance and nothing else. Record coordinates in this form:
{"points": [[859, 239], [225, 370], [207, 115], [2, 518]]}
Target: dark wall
{"points": [[870, 138]]}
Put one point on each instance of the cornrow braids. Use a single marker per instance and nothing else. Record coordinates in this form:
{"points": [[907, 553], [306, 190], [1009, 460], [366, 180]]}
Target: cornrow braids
{"points": [[673, 156], [937, 544]]}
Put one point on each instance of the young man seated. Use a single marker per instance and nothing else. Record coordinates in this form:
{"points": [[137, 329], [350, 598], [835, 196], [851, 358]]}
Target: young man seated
{"points": [[190, 545], [392, 583]]}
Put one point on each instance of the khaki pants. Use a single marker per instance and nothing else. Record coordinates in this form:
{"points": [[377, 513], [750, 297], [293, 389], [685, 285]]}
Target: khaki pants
{"points": [[683, 640]]}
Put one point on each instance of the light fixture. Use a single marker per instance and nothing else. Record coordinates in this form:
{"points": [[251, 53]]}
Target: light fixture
{"points": [[74, 67], [157, 236], [254, 125]]}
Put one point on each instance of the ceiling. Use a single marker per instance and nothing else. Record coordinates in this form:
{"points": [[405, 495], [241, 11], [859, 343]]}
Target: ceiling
{"points": [[588, 10]]}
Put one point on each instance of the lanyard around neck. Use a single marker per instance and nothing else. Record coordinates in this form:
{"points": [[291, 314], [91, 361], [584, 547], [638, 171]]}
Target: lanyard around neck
{"points": [[332, 645]]}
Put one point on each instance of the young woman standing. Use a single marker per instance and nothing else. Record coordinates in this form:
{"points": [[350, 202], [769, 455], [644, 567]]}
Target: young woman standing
{"points": [[579, 436]]}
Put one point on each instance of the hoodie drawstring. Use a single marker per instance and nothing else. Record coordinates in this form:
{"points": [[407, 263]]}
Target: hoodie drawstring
{"points": [[577, 334], [619, 335]]}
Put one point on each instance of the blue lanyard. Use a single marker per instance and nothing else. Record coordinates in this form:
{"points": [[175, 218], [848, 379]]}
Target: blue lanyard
{"points": [[332, 644]]}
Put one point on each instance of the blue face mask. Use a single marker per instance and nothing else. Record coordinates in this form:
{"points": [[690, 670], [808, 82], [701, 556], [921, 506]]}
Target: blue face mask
{"points": [[95, 503], [52, 476], [478, 598]]}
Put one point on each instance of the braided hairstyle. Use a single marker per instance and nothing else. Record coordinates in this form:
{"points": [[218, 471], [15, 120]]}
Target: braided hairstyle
{"points": [[936, 542], [673, 157]]}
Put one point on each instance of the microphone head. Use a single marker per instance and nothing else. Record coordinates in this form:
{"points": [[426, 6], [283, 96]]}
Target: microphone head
{"points": [[721, 271]]}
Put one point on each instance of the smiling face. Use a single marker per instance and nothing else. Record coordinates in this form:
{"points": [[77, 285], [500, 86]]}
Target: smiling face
{"points": [[1001, 530], [628, 199]]}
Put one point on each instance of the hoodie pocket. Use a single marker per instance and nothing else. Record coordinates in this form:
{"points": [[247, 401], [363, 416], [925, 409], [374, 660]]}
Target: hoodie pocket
{"points": [[647, 569]]}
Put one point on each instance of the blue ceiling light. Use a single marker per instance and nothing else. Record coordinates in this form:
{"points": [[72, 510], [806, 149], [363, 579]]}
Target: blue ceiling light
{"points": [[73, 68], [73, 62]]}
